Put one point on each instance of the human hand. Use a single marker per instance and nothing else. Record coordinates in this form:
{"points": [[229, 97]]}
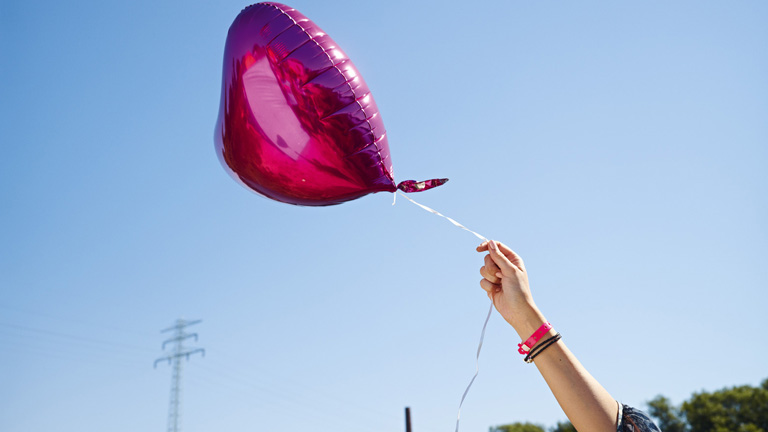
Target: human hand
{"points": [[506, 283]]}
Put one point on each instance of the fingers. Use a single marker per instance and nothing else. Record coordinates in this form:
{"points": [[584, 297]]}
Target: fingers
{"points": [[483, 247], [489, 288], [502, 255], [489, 270]]}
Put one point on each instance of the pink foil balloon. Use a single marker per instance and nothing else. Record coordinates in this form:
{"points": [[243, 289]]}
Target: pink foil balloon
{"points": [[297, 122]]}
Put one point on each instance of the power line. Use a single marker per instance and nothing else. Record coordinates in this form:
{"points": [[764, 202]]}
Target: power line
{"points": [[72, 337], [179, 351], [77, 321]]}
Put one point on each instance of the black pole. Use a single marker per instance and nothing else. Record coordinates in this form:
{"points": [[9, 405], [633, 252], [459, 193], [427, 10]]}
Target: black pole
{"points": [[407, 419]]}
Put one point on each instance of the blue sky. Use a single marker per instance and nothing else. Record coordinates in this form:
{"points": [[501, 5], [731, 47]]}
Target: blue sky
{"points": [[620, 148]]}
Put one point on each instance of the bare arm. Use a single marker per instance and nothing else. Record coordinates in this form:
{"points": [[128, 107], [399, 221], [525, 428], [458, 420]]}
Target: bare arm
{"points": [[586, 403]]}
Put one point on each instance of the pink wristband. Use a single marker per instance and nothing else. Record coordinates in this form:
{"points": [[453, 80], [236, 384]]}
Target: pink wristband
{"points": [[531, 341]]}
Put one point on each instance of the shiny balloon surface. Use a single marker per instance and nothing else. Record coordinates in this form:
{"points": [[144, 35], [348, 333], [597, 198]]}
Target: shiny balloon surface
{"points": [[297, 122]]}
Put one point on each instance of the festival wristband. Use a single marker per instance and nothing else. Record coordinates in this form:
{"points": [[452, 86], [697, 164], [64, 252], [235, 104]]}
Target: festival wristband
{"points": [[531, 341]]}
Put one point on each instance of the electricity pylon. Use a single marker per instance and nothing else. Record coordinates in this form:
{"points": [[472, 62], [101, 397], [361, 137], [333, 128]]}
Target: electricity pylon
{"points": [[179, 351]]}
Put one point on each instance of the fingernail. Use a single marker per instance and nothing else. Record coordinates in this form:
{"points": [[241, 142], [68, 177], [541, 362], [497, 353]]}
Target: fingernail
{"points": [[492, 245]]}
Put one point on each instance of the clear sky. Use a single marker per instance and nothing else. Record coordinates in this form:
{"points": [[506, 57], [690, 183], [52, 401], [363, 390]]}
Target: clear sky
{"points": [[620, 147]]}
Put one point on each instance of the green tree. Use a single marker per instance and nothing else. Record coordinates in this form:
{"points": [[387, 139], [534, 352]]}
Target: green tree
{"points": [[565, 426], [735, 409], [530, 427], [668, 417], [517, 427]]}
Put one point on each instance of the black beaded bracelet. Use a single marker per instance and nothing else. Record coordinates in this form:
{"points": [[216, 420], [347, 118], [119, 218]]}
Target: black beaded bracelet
{"points": [[541, 347]]}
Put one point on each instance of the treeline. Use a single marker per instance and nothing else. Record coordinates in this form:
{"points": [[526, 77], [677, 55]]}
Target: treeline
{"points": [[733, 409]]}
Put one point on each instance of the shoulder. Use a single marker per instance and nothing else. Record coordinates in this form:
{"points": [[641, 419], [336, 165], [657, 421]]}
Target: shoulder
{"points": [[633, 420]]}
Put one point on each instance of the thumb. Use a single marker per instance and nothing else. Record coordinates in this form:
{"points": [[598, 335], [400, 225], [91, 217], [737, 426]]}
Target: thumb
{"points": [[512, 256], [502, 259]]}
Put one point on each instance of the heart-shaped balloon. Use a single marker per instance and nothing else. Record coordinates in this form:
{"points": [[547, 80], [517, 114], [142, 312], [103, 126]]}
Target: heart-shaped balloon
{"points": [[297, 122]]}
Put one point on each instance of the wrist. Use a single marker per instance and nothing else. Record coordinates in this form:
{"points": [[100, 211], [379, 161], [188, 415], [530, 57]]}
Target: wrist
{"points": [[535, 331], [528, 322]]}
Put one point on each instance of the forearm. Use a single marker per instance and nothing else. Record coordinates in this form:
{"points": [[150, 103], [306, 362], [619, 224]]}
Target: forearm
{"points": [[586, 403]]}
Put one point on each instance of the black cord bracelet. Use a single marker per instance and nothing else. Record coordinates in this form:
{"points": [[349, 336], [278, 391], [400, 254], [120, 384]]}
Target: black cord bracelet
{"points": [[541, 347]]}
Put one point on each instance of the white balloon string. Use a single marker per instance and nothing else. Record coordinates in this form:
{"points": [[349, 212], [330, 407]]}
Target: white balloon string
{"points": [[442, 216], [485, 324], [477, 366]]}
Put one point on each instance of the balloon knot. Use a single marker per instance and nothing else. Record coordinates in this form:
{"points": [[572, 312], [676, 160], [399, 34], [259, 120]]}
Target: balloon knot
{"points": [[410, 186]]}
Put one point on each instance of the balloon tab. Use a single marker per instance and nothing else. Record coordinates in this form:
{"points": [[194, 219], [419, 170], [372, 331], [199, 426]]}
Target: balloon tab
{"points": [[410, 186]]}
